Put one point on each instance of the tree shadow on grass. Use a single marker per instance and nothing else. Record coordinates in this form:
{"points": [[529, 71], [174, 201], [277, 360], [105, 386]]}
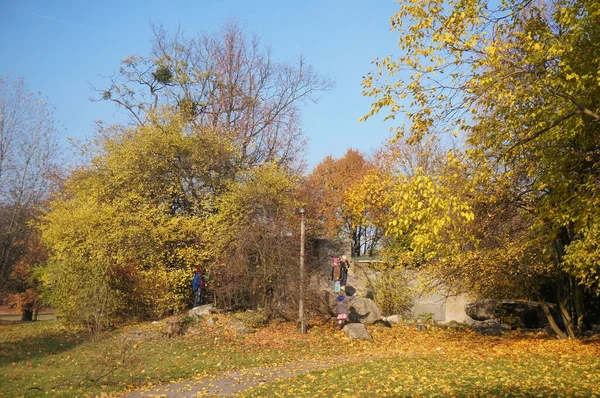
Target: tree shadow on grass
{"points": [[28, 346]]}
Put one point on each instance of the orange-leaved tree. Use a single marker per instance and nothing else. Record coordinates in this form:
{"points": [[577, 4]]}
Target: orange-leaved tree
{"points": [[331, 211]]}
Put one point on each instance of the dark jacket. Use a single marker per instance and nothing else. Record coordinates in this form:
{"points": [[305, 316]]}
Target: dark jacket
{"points": [[345, 265], [197, 282]]}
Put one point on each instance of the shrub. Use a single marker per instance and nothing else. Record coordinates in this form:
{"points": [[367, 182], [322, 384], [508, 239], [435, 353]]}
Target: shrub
{"points": [[83, 295], [161, 292], [253, 318], [392, 292]]}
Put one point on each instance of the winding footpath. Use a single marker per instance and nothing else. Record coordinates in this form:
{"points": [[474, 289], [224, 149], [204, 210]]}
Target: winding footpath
{"points": [[230, 383]]}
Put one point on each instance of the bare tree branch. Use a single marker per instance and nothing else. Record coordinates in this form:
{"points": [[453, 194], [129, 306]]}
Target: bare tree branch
{"points": [[227, 81]]}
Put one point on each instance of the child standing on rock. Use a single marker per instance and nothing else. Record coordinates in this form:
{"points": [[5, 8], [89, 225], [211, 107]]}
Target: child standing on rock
{"points": [[336, 275], [345, 265]]}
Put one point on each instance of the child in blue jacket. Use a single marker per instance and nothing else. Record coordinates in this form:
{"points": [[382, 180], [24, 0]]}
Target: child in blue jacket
{"points": [[197, 286]]}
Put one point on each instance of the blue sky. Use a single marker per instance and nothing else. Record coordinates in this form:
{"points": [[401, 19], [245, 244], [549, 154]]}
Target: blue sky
{"points": [[64, 47]]}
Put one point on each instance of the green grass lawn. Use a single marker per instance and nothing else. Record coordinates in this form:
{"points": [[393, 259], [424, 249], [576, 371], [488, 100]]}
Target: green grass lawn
{"points": [[44, 358], [40, 358]]}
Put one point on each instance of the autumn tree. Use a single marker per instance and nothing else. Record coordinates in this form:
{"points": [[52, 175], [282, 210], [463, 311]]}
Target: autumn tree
{"points": [[228, 81], [327, 192], [201, 176], [253, 241], [375, 196], [25, 279], [158, 200], [519, 81], [123, 232], [28, 161]]}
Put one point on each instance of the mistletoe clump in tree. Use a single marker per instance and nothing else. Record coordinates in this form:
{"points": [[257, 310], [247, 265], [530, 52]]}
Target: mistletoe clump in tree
{"points": [[203, 175]]}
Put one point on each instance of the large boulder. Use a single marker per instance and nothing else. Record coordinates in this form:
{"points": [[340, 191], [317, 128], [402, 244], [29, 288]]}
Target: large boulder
{"points": [[482, 310], [202, 310], [489, 327], [364, 310], [328, 302], [517, 313], [357, 331]]}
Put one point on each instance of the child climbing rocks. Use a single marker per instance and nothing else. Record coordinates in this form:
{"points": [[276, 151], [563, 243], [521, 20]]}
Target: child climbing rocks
{"points": [[342, 307]]}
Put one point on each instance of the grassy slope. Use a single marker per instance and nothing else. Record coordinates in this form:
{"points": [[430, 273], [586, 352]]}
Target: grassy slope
{"points": [[43, 357]]}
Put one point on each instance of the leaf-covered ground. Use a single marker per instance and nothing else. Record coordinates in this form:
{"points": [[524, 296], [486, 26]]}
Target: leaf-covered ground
{"points": [[450, 364], [44, 358]]}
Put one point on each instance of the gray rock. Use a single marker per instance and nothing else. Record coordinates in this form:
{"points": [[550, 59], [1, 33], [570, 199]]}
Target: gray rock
{"points": [[202, 310], [330, 299], [364, 310], [357, 331], [489, 327], [482, 310], [210, 321], [393, 319], [516, 313], [239, 326]]}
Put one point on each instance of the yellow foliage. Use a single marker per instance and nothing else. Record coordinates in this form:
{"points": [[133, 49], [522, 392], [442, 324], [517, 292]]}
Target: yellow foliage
{"points": [[126, 233], [521, 82]]}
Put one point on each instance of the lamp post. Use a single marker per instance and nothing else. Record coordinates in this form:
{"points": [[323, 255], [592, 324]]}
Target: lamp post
{"points": [[301, 299]]}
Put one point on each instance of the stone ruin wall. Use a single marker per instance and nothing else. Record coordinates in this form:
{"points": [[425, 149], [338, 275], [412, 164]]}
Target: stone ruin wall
{"points": [[320, 253]]}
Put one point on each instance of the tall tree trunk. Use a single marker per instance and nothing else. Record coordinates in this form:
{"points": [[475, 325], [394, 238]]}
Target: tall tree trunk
{"points": [[369, 247], [552, 322], [27, 315], [569, 292], [578, 307], [563, 306], [356, 241]]}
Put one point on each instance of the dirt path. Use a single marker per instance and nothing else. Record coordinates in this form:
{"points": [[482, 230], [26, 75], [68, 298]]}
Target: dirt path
{"points": [[230, 383]]}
